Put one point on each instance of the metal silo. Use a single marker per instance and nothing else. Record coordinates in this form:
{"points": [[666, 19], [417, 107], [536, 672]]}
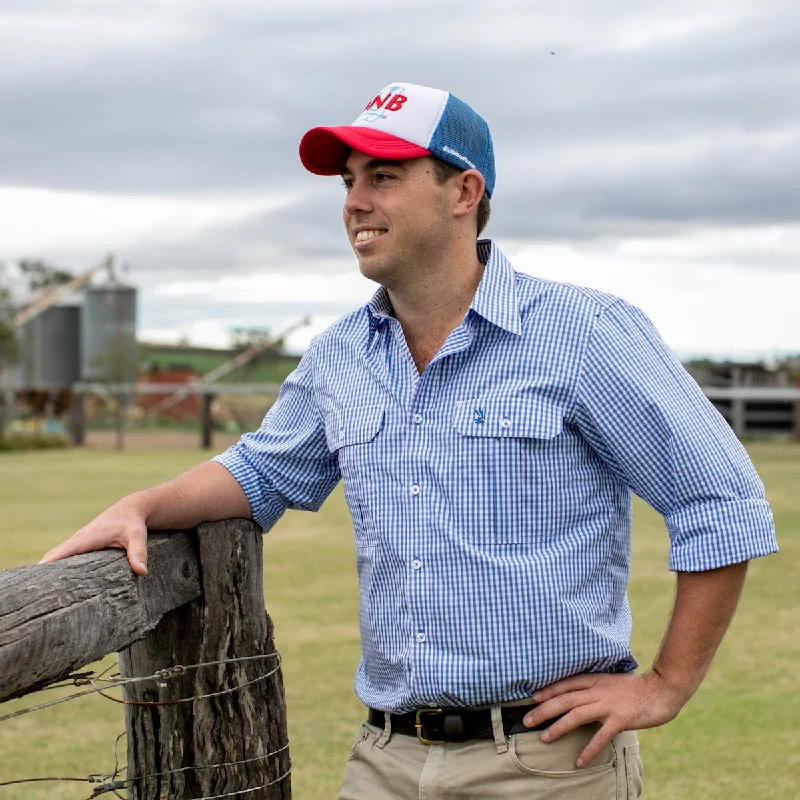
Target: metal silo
{"points": [[50, 347], [108, 348]]}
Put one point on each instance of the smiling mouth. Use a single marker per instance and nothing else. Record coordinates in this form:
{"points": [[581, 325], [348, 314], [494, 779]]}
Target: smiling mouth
{"points": [[363, 237]]}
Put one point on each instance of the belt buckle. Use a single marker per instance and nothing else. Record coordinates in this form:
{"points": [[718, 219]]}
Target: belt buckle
{"points": [[418, 725]]}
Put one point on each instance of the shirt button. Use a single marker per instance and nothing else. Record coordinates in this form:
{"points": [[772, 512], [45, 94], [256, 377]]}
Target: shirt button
{"points": [[420, 637], [417, 418], [416, 563], [505, 423], [414, 489]]}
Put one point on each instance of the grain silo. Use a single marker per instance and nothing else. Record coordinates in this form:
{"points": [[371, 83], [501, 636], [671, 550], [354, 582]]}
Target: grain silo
{"points": [[108, 343], [49, 346]]}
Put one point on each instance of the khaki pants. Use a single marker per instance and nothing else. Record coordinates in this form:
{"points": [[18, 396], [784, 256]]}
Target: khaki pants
{"points": [[383, 766]]}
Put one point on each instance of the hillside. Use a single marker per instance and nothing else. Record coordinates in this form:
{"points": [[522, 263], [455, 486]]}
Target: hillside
{"points": [[267, 369]]}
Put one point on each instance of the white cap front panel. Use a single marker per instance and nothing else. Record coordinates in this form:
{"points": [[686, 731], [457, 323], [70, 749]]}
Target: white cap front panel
{"points": [[405, 110]]}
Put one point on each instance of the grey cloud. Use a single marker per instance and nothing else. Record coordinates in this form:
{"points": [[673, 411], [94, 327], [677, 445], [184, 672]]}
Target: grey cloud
{"points": [[227, 109], [221, 109], [158, 312], [188, 310], [306, 234]]}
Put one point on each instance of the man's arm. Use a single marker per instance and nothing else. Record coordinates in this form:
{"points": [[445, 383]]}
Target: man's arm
{"points": [[704, 606], [206, 493], [286, 463]]}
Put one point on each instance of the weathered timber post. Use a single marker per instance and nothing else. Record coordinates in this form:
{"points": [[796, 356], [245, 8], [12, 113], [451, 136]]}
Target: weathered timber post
{"points": [[244, 729], [56, 618], [119, 420], [78, 418], [206, 421]]}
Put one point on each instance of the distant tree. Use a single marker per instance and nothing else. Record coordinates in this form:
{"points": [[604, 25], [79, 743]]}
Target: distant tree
{"points": [[244, 338], [118, 363], [41, 275], [9, 347]]}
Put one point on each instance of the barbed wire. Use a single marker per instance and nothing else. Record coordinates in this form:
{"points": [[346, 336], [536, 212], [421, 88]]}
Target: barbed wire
{"points": [[122, 784], [108, 781], [161, 676], [39, 780], [73, 679], [110, 785]]}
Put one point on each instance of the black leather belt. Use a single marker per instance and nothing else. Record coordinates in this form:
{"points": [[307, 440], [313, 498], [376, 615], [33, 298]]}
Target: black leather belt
{"points": [[443, 725]]}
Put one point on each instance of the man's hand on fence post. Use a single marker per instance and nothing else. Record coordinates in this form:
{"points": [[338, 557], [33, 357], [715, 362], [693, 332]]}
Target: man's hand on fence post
{"points": [[122, 526]]}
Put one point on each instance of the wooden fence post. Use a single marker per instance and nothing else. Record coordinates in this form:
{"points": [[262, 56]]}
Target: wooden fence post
{"points": [[206, 421], [119, 420], [78, 419], [244, 729]]}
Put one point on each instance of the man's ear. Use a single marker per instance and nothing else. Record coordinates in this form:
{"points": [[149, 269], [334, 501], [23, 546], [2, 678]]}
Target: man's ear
{"points": [[470, 185]]}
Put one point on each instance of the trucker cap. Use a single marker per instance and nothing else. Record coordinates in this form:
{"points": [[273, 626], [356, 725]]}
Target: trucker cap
{"points": [[406, 121]]}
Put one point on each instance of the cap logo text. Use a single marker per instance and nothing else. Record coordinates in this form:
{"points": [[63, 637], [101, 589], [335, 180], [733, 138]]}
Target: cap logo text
{"points": [[393, 101]]}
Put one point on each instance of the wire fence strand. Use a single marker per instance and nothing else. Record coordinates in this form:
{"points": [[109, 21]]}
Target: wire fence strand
{"points": [[109, 782], [196, 768], [160, 676]]}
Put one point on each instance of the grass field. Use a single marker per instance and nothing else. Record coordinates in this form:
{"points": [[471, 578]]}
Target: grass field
{"points": [[738, 739]]}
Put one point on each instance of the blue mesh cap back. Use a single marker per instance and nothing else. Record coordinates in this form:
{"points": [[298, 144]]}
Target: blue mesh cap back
{"points": [[462, 138]]}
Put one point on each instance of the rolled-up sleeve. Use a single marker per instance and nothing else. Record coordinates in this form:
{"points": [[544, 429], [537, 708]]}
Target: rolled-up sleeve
{"points": [[286, 463], [651, 424]]}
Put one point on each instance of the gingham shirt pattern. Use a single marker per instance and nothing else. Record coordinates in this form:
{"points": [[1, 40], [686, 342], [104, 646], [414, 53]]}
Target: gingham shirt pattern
{"points": [[491, 496]]}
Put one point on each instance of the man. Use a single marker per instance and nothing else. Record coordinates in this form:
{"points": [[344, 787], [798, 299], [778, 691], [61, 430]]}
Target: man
{"points": [[490, 428]]}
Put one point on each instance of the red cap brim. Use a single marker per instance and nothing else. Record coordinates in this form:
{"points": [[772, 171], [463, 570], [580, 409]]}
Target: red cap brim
{"points": [[324, 151]]}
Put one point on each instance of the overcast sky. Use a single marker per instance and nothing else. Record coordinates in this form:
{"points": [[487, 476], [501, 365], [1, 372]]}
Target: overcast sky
{"points": [[650, 149]]}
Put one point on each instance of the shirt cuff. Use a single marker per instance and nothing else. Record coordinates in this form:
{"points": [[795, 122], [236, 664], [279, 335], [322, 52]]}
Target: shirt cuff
{"points": [[715, 533], [266, 505]]}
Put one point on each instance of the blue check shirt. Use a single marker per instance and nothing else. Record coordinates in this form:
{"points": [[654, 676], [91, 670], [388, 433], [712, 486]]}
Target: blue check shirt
{"points": [[491, 495]]}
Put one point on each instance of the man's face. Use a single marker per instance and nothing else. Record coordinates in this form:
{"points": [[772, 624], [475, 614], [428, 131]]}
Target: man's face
{"points": [[396, 216]]}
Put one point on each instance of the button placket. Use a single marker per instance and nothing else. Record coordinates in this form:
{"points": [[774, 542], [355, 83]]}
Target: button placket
{"points": [[417, 473]]}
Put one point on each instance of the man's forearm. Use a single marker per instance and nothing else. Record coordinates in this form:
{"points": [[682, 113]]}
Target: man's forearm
{"points": [[704, 606], [205, 493]]}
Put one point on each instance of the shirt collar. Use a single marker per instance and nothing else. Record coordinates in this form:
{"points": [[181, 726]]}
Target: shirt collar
{"points": [[379, 310], [495, 299]]}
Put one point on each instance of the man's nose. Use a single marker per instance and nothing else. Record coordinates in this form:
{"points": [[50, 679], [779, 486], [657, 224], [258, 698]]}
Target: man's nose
{"points": [[358, 198]]}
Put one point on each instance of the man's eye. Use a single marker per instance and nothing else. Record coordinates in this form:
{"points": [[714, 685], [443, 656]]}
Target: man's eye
{"points": [[382, 177], [347, 183]]}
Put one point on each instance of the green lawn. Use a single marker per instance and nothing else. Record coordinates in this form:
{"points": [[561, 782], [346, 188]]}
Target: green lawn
{"points": [[738, 739]]}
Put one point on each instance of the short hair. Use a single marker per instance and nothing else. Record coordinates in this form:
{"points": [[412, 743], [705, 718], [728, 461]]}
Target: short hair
{"points": [[443, 171]]}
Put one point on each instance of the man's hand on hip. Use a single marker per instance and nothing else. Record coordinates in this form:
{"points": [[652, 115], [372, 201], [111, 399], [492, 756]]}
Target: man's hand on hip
{"points": [[619, 702]]}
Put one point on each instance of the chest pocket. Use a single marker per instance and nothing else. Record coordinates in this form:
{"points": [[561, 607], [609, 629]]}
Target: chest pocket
{"points": [[508, 469], [352, 433]]}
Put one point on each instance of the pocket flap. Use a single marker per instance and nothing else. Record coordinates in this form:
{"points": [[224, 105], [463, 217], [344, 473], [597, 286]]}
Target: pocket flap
{"points": [[353, 425], [509, 417]]}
